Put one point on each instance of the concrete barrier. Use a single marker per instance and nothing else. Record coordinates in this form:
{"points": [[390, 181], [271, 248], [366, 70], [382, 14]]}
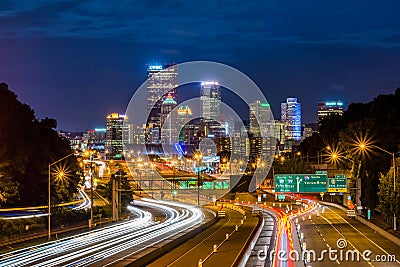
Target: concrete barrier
{"points": [[246, 252], [374, 227]]}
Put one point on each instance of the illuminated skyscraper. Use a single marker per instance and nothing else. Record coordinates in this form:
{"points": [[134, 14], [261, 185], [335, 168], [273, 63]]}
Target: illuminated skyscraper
{"points": [[116, 128], [184, 116], [169, 133], [185, 125], [329, 107], [291, 116], [161, 81], [260, 118], [95, 139], [262, 139], [210, 98]]}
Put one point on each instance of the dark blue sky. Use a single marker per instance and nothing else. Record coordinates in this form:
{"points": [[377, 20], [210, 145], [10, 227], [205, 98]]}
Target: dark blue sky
{"points": [[76, 61]]}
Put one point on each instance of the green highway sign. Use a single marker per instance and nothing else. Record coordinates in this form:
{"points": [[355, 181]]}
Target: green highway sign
{"points": [[300, 183], [208, 185], [219, 185], [337, 184]]}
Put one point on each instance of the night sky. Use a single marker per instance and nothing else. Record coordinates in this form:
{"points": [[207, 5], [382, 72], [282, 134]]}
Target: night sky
{"points": [[77, 61]]}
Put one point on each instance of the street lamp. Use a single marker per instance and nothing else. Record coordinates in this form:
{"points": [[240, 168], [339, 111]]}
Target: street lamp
{"points": [[198, 157], [337, 156], [90, 155], [49, 192], [173, 164], [363, 146]]}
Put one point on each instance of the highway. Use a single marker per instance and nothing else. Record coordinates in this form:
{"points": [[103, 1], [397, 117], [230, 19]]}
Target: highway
{"points": [[201, 246], [109, 245], [84, 202], [332, 230]]}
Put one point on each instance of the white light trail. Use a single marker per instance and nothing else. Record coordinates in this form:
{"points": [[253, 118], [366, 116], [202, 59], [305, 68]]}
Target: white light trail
{"points": [[87, 248]]}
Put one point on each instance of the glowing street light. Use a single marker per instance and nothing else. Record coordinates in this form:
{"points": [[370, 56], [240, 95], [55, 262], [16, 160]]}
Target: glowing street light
{"points": [[61, 174], [335, 156], [365, 147]]}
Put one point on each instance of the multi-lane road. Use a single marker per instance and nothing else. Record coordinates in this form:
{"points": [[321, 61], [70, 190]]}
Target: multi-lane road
{"points": [[201, 247], [337, 240], [84, 202], [113, 244], [319, 236]]}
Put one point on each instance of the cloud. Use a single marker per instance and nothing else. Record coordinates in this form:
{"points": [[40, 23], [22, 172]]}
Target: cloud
{"points": [[367, 39], [217, 27]]}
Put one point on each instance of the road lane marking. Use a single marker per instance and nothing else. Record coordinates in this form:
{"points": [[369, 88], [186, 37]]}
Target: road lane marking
{"points": [[363, 234], [340, 233], [222, 226]]}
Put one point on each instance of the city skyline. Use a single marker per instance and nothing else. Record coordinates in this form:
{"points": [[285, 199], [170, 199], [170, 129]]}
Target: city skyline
{"points": [[314, 52]]}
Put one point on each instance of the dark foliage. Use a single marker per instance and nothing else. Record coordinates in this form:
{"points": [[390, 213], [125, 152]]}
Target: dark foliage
{"points": [[377, 123], [122, 178], [27, 146]]}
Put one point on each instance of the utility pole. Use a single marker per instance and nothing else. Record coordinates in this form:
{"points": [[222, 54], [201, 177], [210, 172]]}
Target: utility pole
{"points": [[91, 190], [198, 187], [114, 200], [119, 194]]}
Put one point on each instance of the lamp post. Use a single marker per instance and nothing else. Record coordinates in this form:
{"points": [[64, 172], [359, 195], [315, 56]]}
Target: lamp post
{"points": [[318, 153], [336, 156], [90, 154], [173, 180], [363, 147], [49, 193], [198, 157], [198, 187]]}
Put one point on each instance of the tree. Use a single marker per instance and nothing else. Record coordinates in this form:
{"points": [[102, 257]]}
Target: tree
{"points": [[376, 123], [389, 200], [329, 129], [292, 165], [27, 146], [311, 146], [122, 178]]}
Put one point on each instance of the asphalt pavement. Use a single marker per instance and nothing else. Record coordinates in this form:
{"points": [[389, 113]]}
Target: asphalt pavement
{"points": [[202, 245], [338, 240], [122, 242]]}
